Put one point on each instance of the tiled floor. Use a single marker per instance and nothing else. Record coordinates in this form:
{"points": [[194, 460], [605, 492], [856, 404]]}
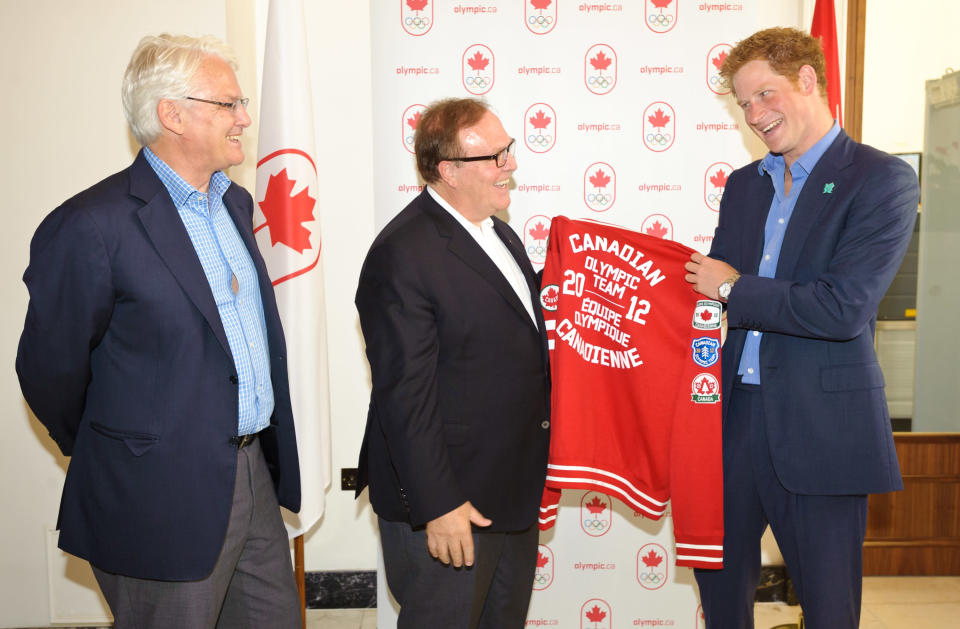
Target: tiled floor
{"points": [[888, 603]]}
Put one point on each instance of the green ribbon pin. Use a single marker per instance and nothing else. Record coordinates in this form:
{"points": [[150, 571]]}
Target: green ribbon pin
{"points": [[828, 188]]}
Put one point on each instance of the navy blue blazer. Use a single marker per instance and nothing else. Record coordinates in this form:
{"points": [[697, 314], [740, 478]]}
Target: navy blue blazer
{"points": [[124, 359], [460, 404], [827, 421]]}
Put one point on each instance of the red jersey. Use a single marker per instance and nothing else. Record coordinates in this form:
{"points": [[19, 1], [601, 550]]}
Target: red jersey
{"points": [[635, 364]]}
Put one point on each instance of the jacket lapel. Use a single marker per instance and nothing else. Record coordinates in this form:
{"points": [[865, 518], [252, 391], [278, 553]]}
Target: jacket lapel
{"points": [[166, 231], [813, 202]]}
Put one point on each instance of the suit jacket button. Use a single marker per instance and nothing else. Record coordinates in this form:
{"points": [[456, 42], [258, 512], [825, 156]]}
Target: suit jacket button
{"points": [[234, 379], [545, 424]]}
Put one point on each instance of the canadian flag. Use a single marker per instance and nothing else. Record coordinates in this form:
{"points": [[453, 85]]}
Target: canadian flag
{"points": [[287, 226], [824, 27]]}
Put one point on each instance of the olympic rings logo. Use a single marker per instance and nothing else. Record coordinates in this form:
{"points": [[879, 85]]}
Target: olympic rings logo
{"points": [[536, 251], [660, 20], [596, 525], [479, 82], [650, 577], [541, 579], [719, 81], [599, 199], [417, 22], [408, 140], [542, 21], [714, 198], [600, 81], [659, 138], [539, 139]]}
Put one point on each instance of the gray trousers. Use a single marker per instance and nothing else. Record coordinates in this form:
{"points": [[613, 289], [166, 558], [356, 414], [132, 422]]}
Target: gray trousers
{"points": [[493, 594], [252, 584]]}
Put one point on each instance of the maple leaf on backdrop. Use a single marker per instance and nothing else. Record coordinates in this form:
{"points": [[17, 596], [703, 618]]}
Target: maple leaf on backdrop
{"points": [[718, 60], [719, 179], [601, 61], [540, 121], [661, 4], [285, 214], [652, 559], [599, 179], [540, 4], [542, 559], [596, 614], [659, 119], [539, 232], [414, 120], [596, 505], [416, 5], [657, 230], [478, 62]]}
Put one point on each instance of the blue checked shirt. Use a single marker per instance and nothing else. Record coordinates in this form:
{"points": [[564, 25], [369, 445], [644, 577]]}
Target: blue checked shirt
{"points": [[223, 255], [781, 209]]}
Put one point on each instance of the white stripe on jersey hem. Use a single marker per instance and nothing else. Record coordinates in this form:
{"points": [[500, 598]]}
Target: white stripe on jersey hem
{"points": [[580, 468], [698, 558], [699, 546], [560, 480]]}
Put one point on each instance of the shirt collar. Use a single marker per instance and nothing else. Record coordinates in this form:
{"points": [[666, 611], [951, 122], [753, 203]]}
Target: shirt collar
{"points": [[181, 191], [484, 226], [775, 163]]}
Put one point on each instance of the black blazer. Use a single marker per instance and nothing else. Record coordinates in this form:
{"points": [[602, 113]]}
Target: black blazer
{"points": [[460, 403], [125, 361], [827, 421]]}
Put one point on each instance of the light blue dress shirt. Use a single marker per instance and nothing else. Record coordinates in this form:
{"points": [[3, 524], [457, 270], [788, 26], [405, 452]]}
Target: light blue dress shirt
{"points": [[778, 218], [223, 255]]}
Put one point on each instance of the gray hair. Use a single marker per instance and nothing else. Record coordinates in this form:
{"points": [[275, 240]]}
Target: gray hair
{"points": [[161, 67]]}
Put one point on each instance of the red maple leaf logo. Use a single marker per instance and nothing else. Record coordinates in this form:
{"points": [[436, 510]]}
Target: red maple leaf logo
{"points": [[704, 386], [601, 61], [599, 179], [706, 315], [652, 559], [414, 120], [540, 4], [659, 119], [542, 559], [596, 505], [477, 61], [539, 232], [718, 60], [551, 296], [416, 5], [719, 179], [540, 121], [285, 214], [661, 4], [596, 614], [657, 230]]}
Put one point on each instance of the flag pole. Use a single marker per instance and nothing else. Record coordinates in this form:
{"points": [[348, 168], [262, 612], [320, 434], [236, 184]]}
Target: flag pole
{"points": [[301, 577]]}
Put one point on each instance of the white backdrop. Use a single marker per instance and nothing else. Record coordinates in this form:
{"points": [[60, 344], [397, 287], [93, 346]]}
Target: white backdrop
{"points": [[620, 116]]}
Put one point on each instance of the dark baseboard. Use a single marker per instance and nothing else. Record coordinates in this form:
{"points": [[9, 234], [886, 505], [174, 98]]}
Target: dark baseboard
{"points": [[357, 589]]}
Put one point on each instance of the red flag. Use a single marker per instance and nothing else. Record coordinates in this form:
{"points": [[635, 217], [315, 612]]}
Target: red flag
{"points": [[824, 27]]}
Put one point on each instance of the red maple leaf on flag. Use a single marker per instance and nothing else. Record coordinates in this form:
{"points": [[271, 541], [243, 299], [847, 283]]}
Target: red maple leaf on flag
{"points": [[652, 559], [657, 230], [599, 179], [416, 5], [540, 121], [659, 119], [718, 60], [539, 232], [596, 614], [542, 559], [414, 120], [719, 179], [596, 505], [477, 61], [706, 315], [285, 214], [661, 4], [540, 4], [601, 61]]}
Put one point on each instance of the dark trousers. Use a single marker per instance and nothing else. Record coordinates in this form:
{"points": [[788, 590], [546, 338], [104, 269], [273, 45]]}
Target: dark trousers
{"points": [[493, 594], [252, 584], [821, 537]]}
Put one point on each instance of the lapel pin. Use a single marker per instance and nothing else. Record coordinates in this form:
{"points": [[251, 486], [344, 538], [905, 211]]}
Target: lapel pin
{"points": [[828, 188]]}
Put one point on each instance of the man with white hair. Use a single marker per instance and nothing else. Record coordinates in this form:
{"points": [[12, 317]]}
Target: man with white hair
{"points": [[153, 353]]}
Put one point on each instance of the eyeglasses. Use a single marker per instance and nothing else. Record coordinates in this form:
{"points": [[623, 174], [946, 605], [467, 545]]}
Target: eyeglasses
{"points": [[232, 107], [500, 158]]}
